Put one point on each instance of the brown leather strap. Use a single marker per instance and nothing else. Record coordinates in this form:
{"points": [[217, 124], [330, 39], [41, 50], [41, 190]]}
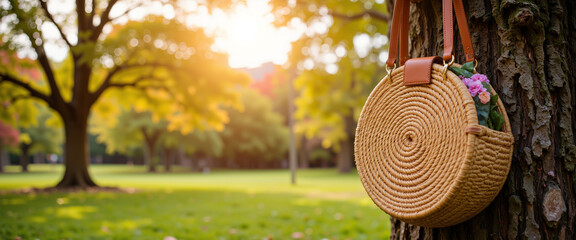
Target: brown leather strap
{"points": [[449, 31], [447, 28], [464, 32], [404, 29], [395, 28], [400, 27]]}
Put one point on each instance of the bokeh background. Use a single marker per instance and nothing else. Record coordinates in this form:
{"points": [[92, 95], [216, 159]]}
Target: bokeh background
{"points": [[177, 119]]}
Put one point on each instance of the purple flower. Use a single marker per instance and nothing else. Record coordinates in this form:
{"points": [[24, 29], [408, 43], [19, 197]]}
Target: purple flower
{"points": [[475, 88], [467, 81], [480, 77]]}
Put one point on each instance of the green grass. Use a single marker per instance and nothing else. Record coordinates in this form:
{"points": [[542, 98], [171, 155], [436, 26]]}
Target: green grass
{"points": [[218, 205]]}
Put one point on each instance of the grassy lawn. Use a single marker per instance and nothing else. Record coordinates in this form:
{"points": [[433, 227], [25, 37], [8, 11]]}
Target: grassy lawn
{"points": [[218, 205]]}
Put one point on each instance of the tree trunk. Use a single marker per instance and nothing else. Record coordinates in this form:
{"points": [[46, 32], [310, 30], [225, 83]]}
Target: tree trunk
{"points": [[344, 163], [346, 154], [150, 140], [24, 156], [167, 159], [76, 158], [527, 50]]}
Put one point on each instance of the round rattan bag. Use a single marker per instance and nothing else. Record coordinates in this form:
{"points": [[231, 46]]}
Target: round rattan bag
{"points": [[421, 155]]}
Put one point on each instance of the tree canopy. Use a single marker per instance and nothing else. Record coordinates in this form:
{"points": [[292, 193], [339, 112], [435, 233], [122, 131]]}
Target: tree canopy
{"points": [[339, 60], [151, 59], [257, 134]]}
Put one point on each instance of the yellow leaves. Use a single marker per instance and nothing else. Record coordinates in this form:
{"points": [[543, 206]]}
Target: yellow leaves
{"points": [[191, 90], [140, 104], [54, 121], [158, 94], [25, 113], [106, 110], [64, 74], [180, 123], [25, 138]]}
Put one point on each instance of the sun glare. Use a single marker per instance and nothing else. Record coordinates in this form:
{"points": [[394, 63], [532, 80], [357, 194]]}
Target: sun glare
{"points": [[247, 34]]}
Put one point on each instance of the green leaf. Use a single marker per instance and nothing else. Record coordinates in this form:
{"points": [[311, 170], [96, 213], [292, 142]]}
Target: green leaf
{"points": [[494, 99], [497, 120], [493, 108], [460, 72], [469, 66], [482, 111]]}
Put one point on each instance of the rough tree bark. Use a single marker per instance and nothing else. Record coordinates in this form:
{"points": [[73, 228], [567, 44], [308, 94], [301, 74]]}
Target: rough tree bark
{"points": [[528, 51]]}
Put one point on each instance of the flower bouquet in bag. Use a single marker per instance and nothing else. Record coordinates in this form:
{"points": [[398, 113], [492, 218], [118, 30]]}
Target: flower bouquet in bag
{"points": [[484, 98]]}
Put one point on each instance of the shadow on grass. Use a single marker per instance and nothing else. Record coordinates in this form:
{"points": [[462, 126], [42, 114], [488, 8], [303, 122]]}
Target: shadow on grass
{"points": [[189, 214]]}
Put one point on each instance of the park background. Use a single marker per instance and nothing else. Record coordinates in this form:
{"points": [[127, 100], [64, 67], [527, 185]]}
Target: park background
{"points": [[164, 119], [185, 119]]}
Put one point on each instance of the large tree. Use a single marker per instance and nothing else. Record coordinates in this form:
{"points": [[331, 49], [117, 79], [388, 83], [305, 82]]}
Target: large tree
{"points": [[151, 57], [527, 49]]}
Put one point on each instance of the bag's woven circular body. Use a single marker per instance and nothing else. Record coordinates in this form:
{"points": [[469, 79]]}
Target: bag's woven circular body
{"points": [[414, 155]]}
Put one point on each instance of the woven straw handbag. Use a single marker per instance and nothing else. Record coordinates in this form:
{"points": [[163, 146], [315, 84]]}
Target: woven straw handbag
{"points": [[420, 152]]}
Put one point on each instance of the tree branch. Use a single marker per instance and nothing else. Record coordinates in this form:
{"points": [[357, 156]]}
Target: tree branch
{"points": [[371, 13], [107, 81], [5, 77], [93, 13], [44, 5], [55, 95], [104, 19], [45, 63], [14, 99], [81, 17]]}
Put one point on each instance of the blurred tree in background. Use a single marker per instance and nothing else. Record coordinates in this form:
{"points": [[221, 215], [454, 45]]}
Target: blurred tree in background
{"points": [[9, 138], [339, 59], [156, 58], [256, 136], [129, 132], [44, 137], [137, 132]]}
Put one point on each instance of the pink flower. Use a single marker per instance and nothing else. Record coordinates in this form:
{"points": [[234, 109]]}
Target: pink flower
{"points": [[484, 97], [467, 81], [480, 77], [475, 87]]}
